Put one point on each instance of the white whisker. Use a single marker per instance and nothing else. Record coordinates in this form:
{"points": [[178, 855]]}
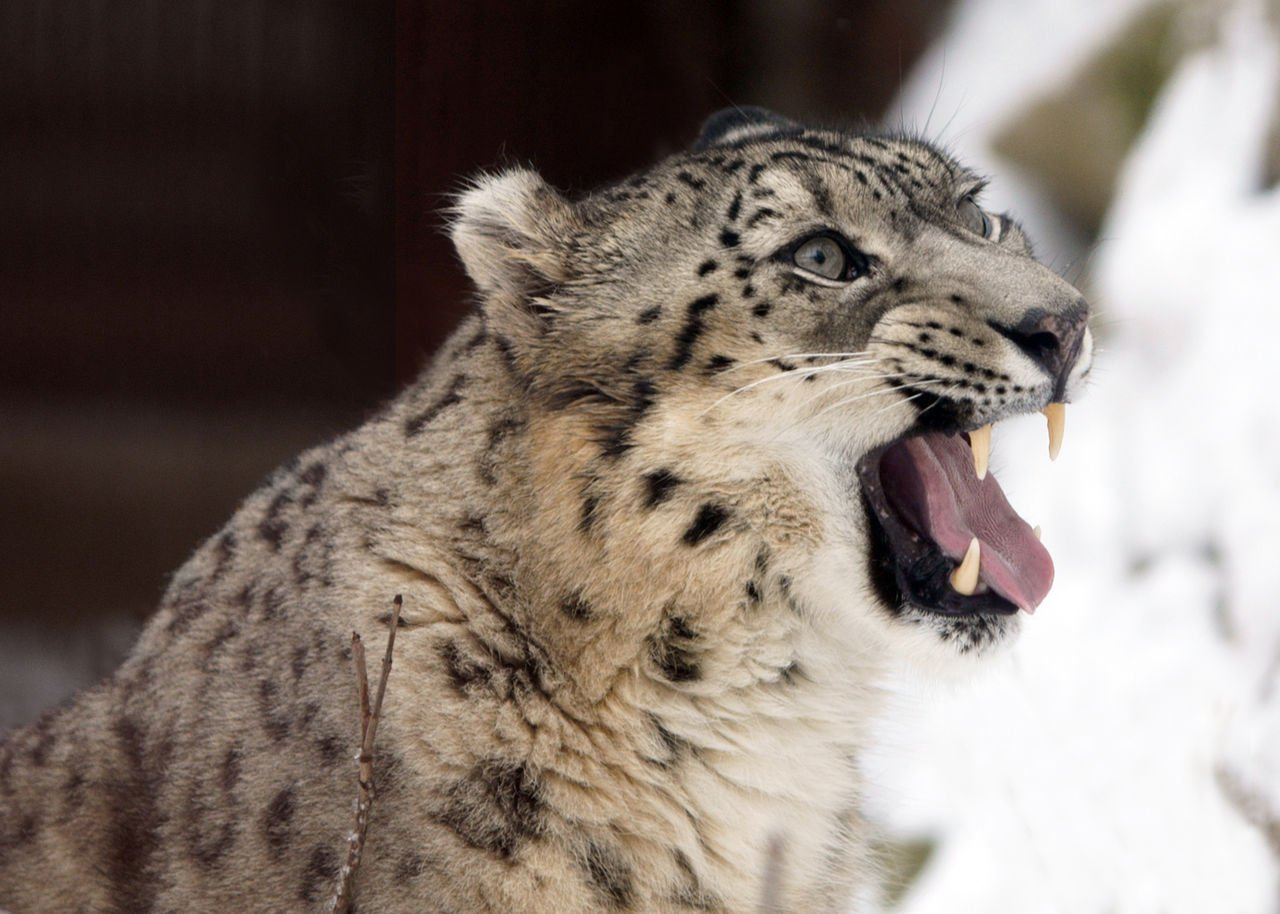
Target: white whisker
{"points": [[846, 367], [879, 392], [890, 406], [866, 395], [859, 378]]}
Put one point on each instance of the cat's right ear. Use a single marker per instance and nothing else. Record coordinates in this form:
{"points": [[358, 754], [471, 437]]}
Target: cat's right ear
{"points": [[511, 231]]}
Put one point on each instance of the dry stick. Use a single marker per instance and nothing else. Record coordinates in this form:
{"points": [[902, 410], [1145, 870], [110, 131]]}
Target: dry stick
{"points": [[340, 903]]}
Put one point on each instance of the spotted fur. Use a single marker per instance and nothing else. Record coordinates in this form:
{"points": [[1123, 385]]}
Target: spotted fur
{"points": [[640, 637]]}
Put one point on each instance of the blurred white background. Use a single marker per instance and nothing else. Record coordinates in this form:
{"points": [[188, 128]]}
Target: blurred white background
{"points": [[1126, 758]]}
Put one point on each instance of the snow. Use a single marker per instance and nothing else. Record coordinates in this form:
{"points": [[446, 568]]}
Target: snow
{"points": [[1084, 773], [996, 56]]}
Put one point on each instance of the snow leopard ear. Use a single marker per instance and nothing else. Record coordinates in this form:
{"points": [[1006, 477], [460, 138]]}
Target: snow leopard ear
{"points": [[730, 125], [511, 231]]}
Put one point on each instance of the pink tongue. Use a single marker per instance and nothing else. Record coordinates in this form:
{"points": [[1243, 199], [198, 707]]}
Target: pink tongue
{"points": [[931, 481]]}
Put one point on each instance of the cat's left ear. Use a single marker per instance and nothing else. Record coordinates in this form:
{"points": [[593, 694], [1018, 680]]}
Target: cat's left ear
{"points": [[730, 125]]}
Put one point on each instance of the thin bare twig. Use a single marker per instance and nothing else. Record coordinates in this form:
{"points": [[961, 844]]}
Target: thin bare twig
{"points": [[340, 902], [362, 682], [372, 729]]}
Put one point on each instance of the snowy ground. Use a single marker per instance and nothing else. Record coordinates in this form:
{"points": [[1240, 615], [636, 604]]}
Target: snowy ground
{"points": [[1125, 755]]}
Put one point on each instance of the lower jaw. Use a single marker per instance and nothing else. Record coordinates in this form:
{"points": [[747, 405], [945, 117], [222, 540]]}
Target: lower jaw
{"points": [[908, 571]]}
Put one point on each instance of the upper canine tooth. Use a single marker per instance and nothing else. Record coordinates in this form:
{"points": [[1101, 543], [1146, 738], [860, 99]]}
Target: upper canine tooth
{"points": [[964, 580], [980, 441], [1056, 413]]}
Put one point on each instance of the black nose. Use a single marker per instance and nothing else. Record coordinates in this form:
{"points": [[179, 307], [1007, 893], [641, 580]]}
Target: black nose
{"points": [[1052, 341]]}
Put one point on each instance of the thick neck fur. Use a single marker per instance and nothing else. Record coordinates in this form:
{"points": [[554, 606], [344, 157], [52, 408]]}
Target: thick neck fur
{"points": [[643, 591]]}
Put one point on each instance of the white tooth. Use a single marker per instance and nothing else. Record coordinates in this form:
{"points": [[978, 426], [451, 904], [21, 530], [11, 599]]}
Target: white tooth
{"points": [[1056, 413], [980, 441], [964, 579], [1036, 531]]}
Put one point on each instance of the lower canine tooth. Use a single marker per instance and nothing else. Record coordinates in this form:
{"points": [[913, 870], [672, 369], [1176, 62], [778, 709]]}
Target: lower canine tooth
{"points": [[1056, 413], [964, 580], [980, 441], [1036, 531]]}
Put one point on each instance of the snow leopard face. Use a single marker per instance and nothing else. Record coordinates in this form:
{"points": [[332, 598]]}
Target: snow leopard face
{"points": [[831, 308]]}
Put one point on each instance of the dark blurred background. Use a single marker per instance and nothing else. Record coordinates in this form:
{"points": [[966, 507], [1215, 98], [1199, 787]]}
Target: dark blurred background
{"points": [[220, 237]]}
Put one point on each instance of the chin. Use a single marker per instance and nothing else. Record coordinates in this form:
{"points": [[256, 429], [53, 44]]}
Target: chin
{"points": [[950, 644]]}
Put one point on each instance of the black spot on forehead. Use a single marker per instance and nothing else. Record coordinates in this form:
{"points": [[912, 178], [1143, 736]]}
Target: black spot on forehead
{"points": [[847, 148]]}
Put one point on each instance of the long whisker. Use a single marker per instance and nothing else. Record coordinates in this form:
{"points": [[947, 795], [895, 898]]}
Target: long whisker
{"points": [[857, 380], [846, 367], [950, 386], [865, 395], [826, 391], [903, 402], [947, 384]]}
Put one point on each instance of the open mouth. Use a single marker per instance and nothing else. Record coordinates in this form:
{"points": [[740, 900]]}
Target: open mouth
{"points": [[943, 536]]}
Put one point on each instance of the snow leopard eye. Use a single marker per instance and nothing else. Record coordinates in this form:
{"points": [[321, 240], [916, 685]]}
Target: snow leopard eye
{"points": [[829, 256], [972, 215]]}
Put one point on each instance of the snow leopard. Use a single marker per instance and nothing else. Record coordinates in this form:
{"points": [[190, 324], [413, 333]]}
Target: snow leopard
{"points": [[706, 462]]}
